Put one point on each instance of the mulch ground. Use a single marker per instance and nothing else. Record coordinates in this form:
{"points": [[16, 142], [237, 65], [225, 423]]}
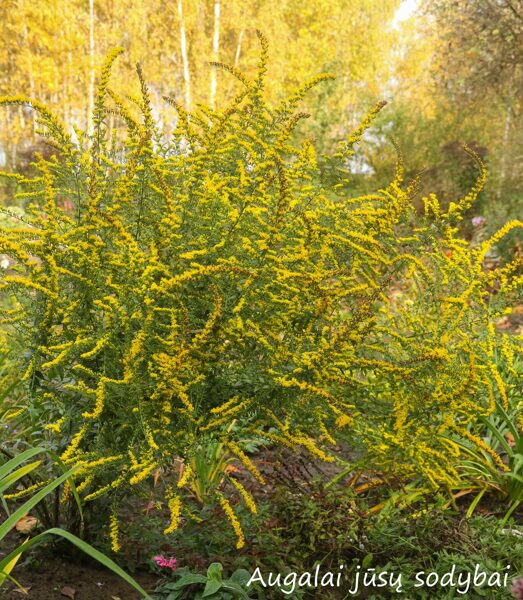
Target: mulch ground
{"points": [[59, 579]]}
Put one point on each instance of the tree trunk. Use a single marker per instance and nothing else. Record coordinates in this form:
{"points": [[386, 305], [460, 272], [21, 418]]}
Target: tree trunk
{"points": [[215, 52], [185, 60], [238, 48], [90, 107], [32, 92]]}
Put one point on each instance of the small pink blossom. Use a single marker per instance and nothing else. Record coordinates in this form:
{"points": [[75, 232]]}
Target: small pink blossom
{"points": [[478, 221], [517, 589], [166, 562]]}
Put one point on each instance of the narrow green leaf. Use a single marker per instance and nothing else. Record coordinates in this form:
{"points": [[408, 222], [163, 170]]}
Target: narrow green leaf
{"points": [[13, 518], [6, 571], [13, 463], [13, 477]]}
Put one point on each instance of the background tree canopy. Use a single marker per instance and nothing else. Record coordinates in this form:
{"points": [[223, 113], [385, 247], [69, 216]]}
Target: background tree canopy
{"points": [[452, 72]]}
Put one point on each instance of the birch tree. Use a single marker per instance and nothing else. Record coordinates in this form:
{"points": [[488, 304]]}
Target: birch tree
{"points": [[215, 52], [91, 66], [185, 59]]}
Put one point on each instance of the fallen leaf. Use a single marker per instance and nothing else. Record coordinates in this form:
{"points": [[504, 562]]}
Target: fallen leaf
{"points": [[68, 591], [156, 477], [150, 506], [231, 469], [26, 524]]}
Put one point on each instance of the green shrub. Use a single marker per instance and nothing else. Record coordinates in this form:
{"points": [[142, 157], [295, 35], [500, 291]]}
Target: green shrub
{"points": [[172, 283]]}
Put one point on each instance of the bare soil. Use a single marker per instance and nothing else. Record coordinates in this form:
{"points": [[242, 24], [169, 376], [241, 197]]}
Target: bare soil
{"points": [[59, 578]]}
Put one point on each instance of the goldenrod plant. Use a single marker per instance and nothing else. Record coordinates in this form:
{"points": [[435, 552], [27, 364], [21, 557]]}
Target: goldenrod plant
{"points": [[170, 283]]}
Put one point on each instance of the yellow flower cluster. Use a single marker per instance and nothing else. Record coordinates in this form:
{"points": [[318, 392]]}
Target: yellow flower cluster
{"points": [[233, 519], [114, 533], [247, 498], [175, 506]]}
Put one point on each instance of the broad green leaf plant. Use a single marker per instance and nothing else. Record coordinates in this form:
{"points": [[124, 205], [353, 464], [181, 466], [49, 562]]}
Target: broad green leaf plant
{"points": [[213, 585]]}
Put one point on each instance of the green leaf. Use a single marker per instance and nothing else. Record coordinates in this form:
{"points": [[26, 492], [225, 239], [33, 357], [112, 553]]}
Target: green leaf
{"points": [[240, 576], [238, 590], [215, 571], [5, 572], [13, 463], [509, 512], [14, 476], [13, 581], [13, 519], [211, 587], [475, 502], [514, 476], [367, 561], [189, 579]]}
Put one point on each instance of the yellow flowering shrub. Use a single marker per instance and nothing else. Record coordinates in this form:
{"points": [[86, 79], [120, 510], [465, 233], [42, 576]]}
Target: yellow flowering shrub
{"points": [[170, 283]]}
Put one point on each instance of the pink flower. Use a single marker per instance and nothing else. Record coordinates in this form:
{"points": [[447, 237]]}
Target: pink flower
{"points": [[478, 221], [166, 562], [517, 589]]}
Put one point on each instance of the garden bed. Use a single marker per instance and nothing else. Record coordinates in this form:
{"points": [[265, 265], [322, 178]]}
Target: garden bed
{"points": [[58, 578]]}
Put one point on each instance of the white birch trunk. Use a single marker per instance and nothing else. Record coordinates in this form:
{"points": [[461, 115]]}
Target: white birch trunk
{"points": [[90, 107], [185, 59], [238, 48], [215, 52]]}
